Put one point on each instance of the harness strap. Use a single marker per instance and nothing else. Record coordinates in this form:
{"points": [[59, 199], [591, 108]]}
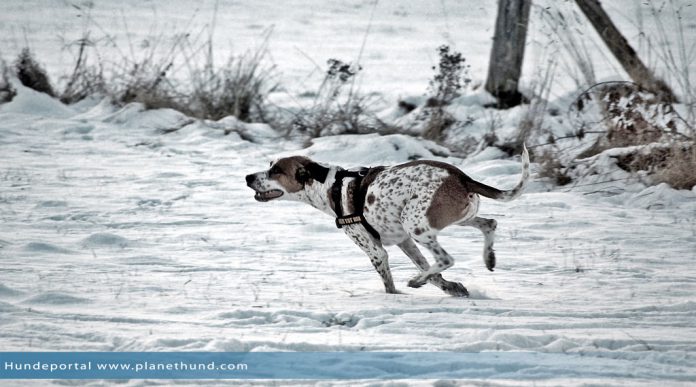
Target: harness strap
{"points": [[358, 200]]}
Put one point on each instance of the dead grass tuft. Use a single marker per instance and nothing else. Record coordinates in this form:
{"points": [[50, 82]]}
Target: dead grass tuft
{"points": [[7, 92], [337, 107], [551, 168], [31, 73], [672, 164]]}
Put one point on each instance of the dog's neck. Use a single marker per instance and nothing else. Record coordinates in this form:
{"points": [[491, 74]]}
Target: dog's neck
{"points": [[318, 195]]}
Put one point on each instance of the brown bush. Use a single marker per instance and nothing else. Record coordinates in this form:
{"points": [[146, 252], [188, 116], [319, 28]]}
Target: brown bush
{"points": [[673, 164], [679, 168], [551, 168], [31, 74]]}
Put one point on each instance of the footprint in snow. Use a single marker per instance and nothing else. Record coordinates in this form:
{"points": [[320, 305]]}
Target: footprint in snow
{"points": [[105, 240]]}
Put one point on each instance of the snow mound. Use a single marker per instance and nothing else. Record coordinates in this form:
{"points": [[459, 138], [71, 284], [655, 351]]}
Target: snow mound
{"points": [[366, 150], [7, 308], [663, 196], [31, 102], [55, 298], [255, 132], [134, 115], [8, 292], [42, 247], [103, 108], [52, 203]]}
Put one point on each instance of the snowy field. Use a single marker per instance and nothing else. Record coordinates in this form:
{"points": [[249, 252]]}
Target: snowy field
{"points": [[118, 236]]}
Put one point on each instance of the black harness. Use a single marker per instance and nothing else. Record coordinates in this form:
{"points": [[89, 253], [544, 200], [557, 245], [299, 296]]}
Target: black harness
{"points": [[358, 198]]}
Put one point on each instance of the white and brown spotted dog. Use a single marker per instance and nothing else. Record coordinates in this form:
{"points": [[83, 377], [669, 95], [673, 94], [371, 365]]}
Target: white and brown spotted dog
{"points": [[397, 205]]}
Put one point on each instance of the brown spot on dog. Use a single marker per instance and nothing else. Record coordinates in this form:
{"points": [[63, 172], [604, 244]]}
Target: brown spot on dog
{"points": [[448, 203], [285, 172], [370, 199], [418, 231]]}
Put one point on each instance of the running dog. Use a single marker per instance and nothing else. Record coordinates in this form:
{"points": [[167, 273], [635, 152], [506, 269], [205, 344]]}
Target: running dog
{"points": [[400, 205]]}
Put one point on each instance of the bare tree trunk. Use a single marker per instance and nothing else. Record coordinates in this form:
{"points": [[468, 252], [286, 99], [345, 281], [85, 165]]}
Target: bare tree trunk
{"points": [[505, 66], [623, 52]]}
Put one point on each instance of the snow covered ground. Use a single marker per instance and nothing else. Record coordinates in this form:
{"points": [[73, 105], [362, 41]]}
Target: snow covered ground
{"points": [[116, 237], [119, 233]]}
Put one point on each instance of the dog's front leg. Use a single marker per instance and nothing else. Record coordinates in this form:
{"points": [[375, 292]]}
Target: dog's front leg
{"points": [[375, 251]]}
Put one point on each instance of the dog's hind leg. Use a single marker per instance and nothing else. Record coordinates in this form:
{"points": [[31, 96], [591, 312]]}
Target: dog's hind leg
{"points": [[443, 260], [374, 250], [419, 229], [487, 227], [452, 288]]}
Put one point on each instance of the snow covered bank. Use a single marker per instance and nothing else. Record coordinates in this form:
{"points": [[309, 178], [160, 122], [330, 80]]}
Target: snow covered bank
{"points": [[118, 234]]}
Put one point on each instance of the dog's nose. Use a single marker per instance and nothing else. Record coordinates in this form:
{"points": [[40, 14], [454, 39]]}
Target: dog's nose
{"points": [[250, 179]]}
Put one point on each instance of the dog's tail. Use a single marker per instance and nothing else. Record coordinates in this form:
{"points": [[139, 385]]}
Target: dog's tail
{"points": [[512, 194]]}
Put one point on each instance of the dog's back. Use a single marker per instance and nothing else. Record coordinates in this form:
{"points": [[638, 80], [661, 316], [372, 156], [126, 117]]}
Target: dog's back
{"points": [[436, 191]]}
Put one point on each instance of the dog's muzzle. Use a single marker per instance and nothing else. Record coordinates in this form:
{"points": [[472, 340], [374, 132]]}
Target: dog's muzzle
{"points": [[262, 196]]}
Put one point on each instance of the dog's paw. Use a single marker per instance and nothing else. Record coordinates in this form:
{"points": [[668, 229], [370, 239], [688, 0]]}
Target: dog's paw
{"points": [[416, 282], [392, 291], [455, 289], [490, 260]]}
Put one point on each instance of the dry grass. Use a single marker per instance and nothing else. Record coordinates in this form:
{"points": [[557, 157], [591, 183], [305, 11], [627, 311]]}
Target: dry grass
{"points": [[238, 88], [679, 169], [31, 73], [551, 168], [675, 54], [337, 108], [175, 71], [673, 163], [663, 141], [7, 92], [564, 23]]}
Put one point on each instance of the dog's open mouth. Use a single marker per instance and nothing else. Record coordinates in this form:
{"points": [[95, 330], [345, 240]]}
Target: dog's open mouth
{"points": [[268, 195]]}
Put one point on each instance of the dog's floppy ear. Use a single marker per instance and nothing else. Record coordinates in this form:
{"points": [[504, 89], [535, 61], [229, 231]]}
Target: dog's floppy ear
{"points": [[312, 171]]}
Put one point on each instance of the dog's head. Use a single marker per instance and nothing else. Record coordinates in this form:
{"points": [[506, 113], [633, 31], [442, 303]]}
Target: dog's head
{"points": [[287, 178]]}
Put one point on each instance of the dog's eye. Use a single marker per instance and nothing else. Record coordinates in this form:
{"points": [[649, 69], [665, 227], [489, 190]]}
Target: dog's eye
{"points": [[275, 171]]}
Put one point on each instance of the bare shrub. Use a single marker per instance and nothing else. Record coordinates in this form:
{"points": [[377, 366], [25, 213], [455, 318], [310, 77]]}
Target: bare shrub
{"points": [[655, 139], [450, 78], [551, 168], [31, 73], [337, 108], [629, 115], [87, 77], [679, 169]]}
